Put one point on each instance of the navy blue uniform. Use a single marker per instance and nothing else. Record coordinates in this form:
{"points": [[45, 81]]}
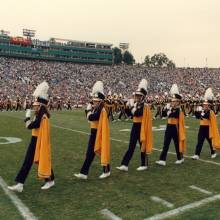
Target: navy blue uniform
{"points": [[90, 154], [203, 132], [135, 137], [171, 133], [29, 158]]}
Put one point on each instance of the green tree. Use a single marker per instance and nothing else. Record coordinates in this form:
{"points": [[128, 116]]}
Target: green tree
{"points": [[128, 58], [171, 64], [147, 61], [159, 60], [117, 55]]}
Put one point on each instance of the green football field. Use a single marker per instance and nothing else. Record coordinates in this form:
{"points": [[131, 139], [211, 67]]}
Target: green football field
{"points": [[187, 191]]}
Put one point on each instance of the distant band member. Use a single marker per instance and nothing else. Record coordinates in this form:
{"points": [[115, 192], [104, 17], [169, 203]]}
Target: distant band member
{"points": [[208, 126], [39, 150], [141, 130], [59, 105], [175, 129], [69, 107], [99, 141], [8, 104]]}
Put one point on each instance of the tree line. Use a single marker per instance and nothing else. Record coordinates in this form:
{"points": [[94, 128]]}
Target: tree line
{"points": [[157, 60]]}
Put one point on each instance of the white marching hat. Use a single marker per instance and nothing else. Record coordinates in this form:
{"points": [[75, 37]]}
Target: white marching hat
{"points": [[98, 91], [142, 88], [174, 92], [41, 94]]}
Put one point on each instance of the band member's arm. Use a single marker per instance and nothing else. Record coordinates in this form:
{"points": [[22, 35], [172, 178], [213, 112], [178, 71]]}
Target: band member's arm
{"points": [[174, 113], [33, 124], [92, 116], [138, 111], [205, 115]]}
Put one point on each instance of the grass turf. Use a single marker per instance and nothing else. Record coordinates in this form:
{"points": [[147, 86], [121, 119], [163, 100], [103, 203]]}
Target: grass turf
{"points": [[125, 194]]}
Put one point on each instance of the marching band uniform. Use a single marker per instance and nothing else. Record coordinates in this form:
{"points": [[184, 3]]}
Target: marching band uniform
{"points": [[99, 141], [208, 127], [141, 130], [109, 106], [175, 130], [39, 150]]}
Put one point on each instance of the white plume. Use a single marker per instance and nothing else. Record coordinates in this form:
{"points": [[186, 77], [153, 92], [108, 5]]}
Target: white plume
{"points": [[143, 84], [174, 89], [41, 90], [209, 94], [98, 87], [110, 93]]}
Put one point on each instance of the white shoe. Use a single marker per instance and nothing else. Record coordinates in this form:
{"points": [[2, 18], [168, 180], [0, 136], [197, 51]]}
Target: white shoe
{"points": [[195, 157], [81, 176], [161, 162], [48, 185], [141, 168], [104, 175], [122, 168], [17, 188], [213, 155], [179, 161]]}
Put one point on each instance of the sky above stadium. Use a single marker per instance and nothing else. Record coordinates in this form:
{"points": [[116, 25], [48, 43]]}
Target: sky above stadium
{"points": [[188, 31]]}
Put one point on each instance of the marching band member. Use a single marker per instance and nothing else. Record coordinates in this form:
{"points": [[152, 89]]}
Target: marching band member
{"points": [[208, 126], [99, 141], [175, 128], [141, 130], [109, 105], [39, 150]]}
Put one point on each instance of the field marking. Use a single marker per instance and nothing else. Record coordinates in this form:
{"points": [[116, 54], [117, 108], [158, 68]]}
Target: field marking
{"points": [[22, 208], [184, 208], [10, 140], [109, 215], [200, 189], [113, 139], [162, 201], [126, 142]]}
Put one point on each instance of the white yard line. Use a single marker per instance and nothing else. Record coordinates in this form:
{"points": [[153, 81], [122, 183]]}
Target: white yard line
{"points": [[186, 156], [184, 208], [162, 201], [22, 208], [109, 215], [117, 140], [200, 189]]}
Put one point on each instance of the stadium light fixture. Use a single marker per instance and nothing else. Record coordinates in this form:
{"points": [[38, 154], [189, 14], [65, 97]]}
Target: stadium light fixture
{"points": [[29, 33]]}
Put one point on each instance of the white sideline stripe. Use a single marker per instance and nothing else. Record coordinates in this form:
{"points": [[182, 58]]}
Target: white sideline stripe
{"points": [[184, 208], [162, 201], [22, 208], [109, 215], [200, 189], [186, 156], [113, 139], [126, 142]]}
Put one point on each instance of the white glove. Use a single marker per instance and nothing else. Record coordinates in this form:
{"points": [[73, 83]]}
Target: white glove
{"points": [[89, 107], [168, 106], [199, 109], [28, 113], [135, 105], [131, 102], [203, 113]]}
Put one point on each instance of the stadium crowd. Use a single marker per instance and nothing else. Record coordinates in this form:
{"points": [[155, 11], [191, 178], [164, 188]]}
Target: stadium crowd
{"points": [[19, 77]]}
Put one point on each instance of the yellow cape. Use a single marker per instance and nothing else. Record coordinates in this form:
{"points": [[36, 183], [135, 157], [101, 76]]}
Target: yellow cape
{"points": [[102, 142], [43, 149], [182, 134], [213, 131], [146, 135]]}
